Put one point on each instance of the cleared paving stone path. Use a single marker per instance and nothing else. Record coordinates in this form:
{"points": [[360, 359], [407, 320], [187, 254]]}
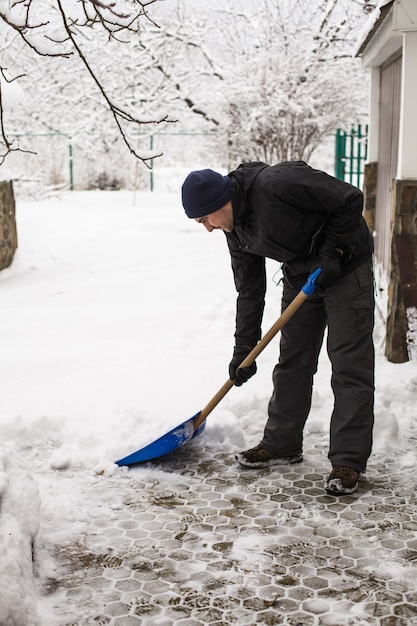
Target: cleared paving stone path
{"points": [[194, 539]]}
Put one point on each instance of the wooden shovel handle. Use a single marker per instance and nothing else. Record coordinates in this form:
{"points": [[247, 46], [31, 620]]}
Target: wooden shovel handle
{"points": [[252, 356]]}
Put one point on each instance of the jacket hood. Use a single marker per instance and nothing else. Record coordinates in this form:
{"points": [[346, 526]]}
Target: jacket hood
{"points": [[242, 181]]}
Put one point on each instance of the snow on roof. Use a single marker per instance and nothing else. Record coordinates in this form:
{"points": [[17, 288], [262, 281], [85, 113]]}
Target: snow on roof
{"points": [[372, 24]]}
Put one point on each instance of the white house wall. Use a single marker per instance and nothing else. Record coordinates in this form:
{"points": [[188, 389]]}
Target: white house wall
{"points": [[407, 150], [373, 127], [389, 108], [404, 15], [398, 31]]}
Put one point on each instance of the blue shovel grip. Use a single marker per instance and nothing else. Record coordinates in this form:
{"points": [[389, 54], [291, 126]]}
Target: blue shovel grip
{"points": [[310, 285]]}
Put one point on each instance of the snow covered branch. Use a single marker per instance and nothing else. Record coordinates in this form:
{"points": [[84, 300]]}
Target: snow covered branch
{"points": [[60, 28], [4, 140]]}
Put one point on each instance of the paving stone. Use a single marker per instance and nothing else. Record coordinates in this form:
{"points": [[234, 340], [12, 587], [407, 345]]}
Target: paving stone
{"points": [[222, 545]]}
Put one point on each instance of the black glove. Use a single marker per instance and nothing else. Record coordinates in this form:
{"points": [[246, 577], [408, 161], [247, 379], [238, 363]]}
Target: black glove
{"points": [[328, 259], [241, 374]]}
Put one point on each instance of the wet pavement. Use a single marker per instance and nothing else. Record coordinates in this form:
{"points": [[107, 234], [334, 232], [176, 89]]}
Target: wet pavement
{"points": [[195, 540]]}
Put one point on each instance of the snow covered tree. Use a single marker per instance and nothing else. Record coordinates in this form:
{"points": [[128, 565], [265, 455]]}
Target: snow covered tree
{"points": [[296, 79], [271, 78], [92, 36], [275, 79]]}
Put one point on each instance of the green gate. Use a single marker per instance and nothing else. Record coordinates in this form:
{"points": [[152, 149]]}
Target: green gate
{"points": [[350, 154]]}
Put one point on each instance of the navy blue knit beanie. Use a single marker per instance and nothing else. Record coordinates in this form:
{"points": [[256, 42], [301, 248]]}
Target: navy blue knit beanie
{"points": [[205, 191]]}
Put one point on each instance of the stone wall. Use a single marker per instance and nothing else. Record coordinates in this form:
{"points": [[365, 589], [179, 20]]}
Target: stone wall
{"points": [[8, 231], [402, 290], [400, 344], [369, 193]]}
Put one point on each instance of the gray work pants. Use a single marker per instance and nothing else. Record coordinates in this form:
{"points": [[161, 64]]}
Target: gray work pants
{"points": [[347, 309]]}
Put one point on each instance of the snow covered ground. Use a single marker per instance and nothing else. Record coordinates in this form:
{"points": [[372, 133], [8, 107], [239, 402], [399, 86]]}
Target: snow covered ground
{"points": [[116, 324]]}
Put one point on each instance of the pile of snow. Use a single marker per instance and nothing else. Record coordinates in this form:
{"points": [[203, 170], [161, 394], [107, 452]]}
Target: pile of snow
{"points": [[19, 523]]}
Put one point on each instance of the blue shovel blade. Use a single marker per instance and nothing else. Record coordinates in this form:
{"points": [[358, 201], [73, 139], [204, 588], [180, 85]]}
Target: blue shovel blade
{"points": [[169, 442]]}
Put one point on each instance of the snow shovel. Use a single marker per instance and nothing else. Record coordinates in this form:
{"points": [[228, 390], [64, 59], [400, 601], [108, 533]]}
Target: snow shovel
{"points": [[195, 425]]}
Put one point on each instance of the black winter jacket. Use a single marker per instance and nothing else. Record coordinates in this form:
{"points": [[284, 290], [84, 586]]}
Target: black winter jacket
{"points": [[287, 212]]}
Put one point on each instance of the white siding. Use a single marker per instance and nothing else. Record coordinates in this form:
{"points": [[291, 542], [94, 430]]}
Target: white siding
{"points": [[390, 94]]}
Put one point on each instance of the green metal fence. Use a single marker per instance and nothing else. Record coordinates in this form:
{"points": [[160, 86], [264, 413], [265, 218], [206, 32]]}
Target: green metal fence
{"points": [[350, 154]]}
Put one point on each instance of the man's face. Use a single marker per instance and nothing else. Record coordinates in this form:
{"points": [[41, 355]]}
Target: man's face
{"points": [[219, 220]]}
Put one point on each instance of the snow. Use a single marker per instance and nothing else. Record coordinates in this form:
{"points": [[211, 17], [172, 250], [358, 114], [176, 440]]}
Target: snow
{"points": [[411, 313], [12, 93], [370, 24], [116, 324], [19, 523]]}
